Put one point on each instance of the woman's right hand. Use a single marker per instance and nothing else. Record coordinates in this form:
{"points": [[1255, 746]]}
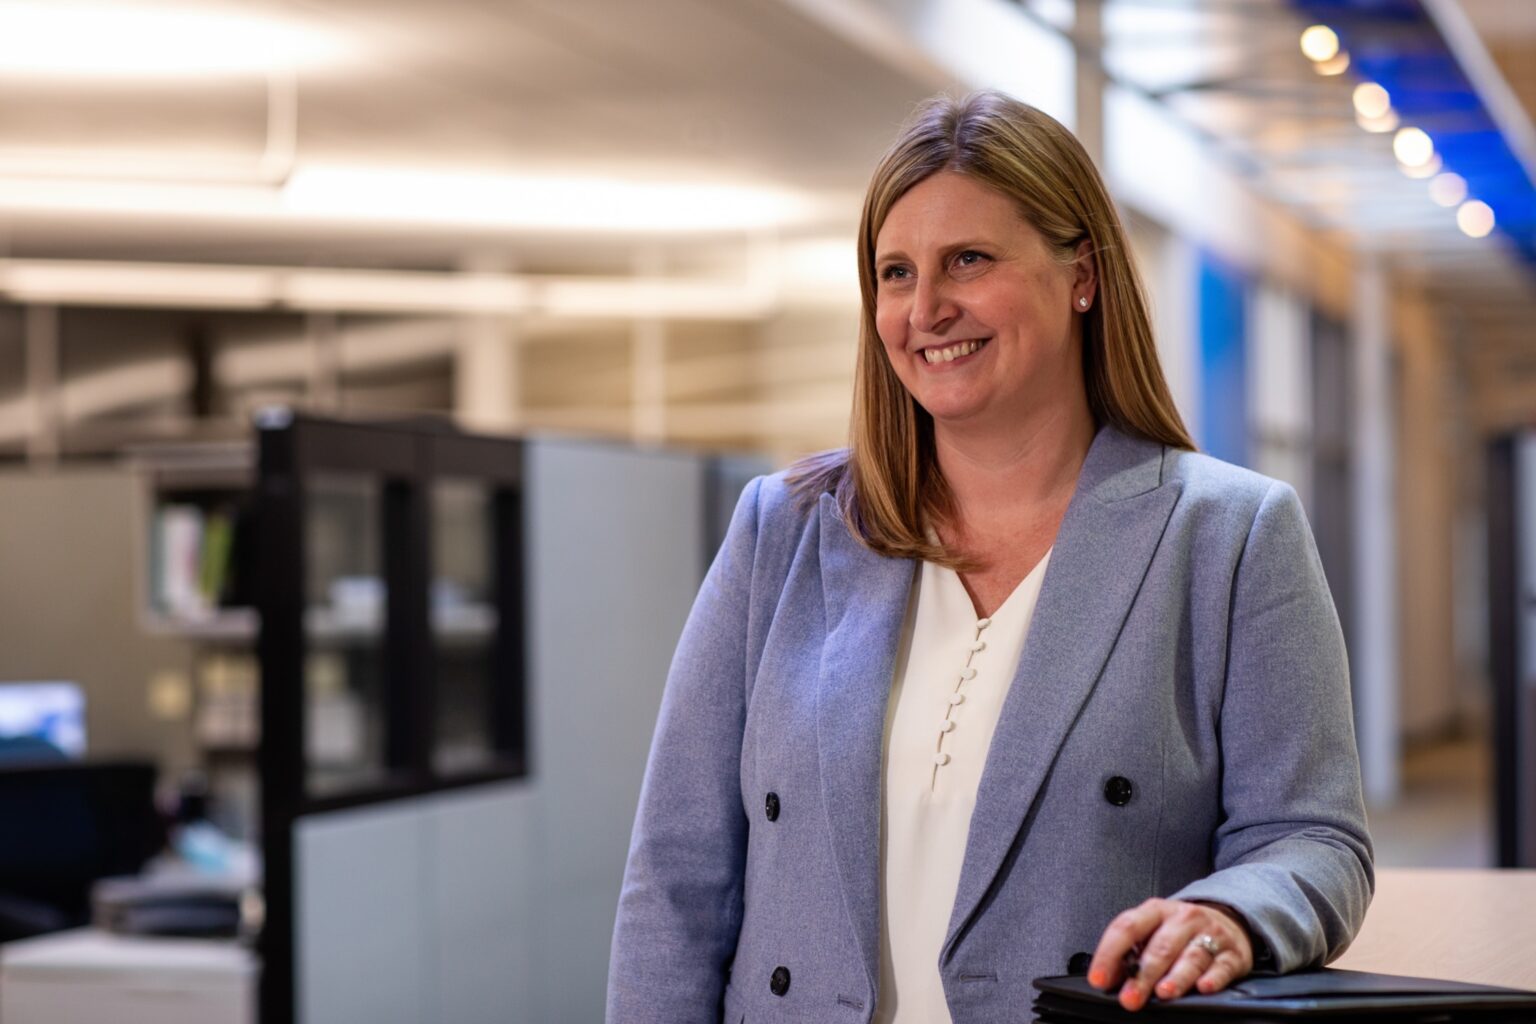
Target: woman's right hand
{"points": [[1181, 946]]}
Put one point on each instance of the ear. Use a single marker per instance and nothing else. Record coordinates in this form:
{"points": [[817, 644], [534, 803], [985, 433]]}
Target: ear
{"points": [[1085, 273]]}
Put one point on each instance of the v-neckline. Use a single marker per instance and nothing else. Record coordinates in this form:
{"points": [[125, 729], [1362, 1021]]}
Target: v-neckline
{"points": [[952, 579]]}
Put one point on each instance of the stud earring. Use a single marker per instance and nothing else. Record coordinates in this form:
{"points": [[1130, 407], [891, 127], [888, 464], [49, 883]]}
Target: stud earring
{"points": [[1082, 302]]}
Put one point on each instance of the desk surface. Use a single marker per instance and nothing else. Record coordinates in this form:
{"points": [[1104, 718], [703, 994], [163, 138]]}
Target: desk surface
{"points": [[1477, 926], [88, 951], [88, 975]]}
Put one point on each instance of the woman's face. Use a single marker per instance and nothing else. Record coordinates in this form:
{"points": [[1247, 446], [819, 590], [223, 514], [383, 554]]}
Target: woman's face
{"points": [[976, 317]]}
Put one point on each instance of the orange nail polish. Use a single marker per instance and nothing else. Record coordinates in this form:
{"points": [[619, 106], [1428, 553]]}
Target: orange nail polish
{"points": [[1096, 978]]}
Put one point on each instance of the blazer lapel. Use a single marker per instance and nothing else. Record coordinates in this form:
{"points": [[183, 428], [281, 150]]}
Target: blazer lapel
{"points": [[1105, 543], [866, 603]]}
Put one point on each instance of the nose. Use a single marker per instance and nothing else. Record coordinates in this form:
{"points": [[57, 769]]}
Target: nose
{"points": [[932, 306]]}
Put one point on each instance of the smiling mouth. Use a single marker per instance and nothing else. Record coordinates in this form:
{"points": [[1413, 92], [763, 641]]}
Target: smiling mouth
{"points": [[949, 353]]}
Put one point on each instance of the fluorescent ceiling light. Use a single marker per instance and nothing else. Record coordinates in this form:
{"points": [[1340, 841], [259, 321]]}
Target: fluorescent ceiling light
{"points": [[191, 201], [537, 203], [64, 39], [489, 202]]}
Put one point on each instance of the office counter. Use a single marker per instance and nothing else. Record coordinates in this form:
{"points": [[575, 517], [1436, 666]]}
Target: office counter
{"points": [[1459, 925]]}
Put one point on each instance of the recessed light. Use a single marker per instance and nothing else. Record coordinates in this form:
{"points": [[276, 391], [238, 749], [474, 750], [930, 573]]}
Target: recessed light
{"points": [[1319, 43], [1475, 218], [1413, 147], [1448, 189], [1371, 100]]}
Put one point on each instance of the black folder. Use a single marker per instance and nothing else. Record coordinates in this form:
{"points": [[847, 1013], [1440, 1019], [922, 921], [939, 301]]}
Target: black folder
{"points": [[1332, 995]]}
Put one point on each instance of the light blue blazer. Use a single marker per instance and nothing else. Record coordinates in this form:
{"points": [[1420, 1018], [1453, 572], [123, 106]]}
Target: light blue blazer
{"points": [[1179, 725]]}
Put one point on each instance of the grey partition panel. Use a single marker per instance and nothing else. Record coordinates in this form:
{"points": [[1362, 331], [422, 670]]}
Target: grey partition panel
{"points": [[614, 560], [418, 910], [359, 951], [481, 914]]}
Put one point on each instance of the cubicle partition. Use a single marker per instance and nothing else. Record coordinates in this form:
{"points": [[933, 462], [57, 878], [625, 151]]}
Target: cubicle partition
{"points": [[464, 642]]}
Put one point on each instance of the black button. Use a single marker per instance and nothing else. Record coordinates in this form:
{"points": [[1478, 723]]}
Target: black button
{"points": [[779, 983], [1118, 791], [771, 807], [1077, 964]]}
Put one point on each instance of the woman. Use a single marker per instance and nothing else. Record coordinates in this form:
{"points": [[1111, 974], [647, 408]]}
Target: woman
{"points": [[1017, 685]]}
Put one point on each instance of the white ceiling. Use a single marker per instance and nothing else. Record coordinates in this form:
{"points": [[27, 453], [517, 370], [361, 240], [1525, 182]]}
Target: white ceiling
{"points": [[745, 92], [749, 91], [753, 92]]}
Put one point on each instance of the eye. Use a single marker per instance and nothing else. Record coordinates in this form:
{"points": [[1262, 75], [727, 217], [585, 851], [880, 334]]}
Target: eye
{"points": [[970, 258], [894, 272]]}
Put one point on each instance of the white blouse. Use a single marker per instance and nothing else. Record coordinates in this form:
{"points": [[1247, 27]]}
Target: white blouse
{"points": [[952, 674]]}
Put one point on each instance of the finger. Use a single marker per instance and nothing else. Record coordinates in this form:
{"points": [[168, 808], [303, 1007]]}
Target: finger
{"points": [[1233, 935], [1186, 971], [1162, 950], [1124, 933], [1227, 967]]}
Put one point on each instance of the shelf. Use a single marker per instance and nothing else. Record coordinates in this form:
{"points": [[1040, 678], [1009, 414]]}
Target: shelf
{"points": [[460, 622], [225, 624], [210, 465], [464, 622], [321, 623]]}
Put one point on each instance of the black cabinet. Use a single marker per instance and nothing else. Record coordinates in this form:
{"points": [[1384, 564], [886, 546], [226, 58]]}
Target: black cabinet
{"points": [[389, 586]]}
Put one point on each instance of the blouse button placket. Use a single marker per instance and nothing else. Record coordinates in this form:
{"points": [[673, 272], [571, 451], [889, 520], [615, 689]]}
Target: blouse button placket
{"points": [[956, 698]]}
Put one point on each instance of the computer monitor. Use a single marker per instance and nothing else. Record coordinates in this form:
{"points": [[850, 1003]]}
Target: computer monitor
{"points": [[62, 827], [51, 713]]}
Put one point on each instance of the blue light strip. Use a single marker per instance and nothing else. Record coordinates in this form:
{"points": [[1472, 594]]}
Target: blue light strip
{"points": [[1396, 44]]}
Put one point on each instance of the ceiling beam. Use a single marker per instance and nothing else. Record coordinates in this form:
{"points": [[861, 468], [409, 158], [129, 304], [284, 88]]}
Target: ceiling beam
{"points": [[310, 289]]}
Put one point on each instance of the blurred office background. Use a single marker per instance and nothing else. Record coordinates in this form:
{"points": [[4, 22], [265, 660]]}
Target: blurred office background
{"points": [[617, 239]]}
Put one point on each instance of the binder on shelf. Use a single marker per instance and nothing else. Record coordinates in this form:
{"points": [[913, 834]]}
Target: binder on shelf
{"points": [[193, 554]]}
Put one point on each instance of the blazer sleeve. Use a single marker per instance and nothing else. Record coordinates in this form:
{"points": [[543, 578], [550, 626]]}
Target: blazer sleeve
{"points": [[680, 908], [1291, 853]]}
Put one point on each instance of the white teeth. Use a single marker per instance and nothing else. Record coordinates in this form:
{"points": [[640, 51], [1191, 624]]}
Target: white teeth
{"points": [[952, 352]]}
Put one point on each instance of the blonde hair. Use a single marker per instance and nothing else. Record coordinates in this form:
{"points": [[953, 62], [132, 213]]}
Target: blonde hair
{"points": [[887, 483]]}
